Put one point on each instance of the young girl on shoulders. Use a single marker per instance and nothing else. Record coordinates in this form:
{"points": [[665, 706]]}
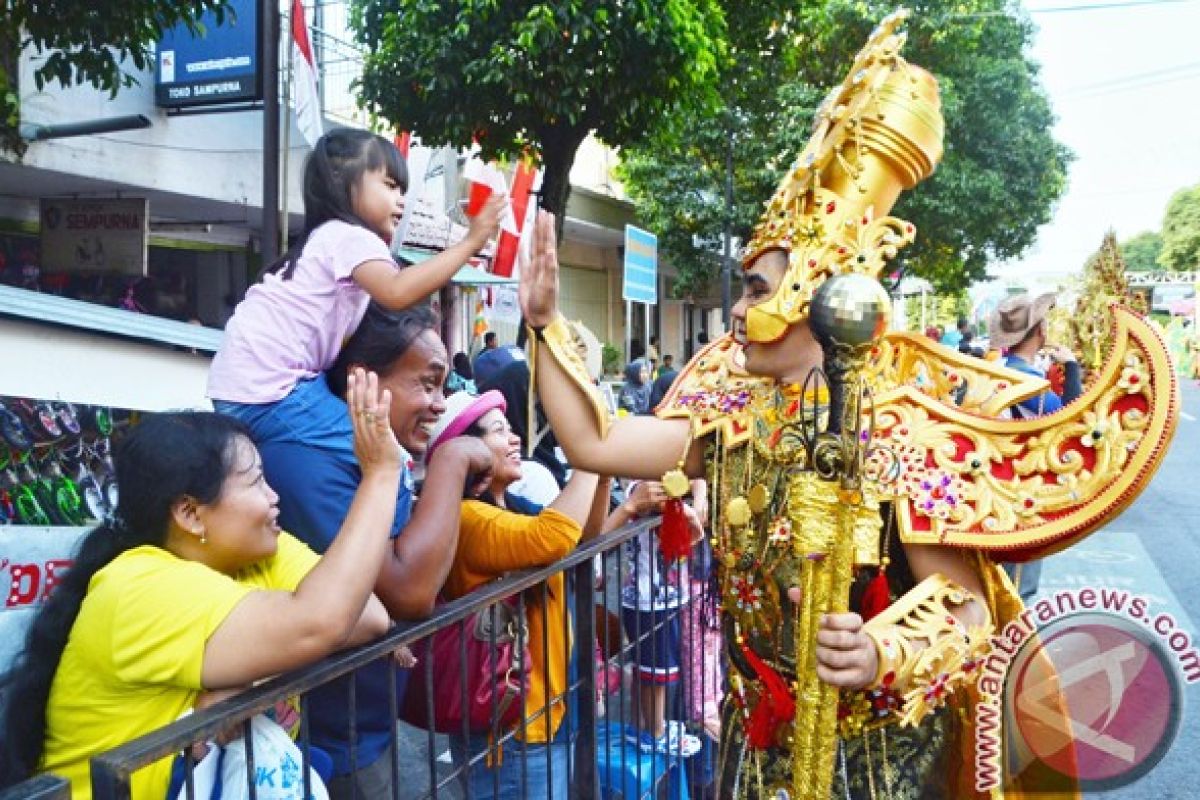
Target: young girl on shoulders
{"points": [[291, 326]]}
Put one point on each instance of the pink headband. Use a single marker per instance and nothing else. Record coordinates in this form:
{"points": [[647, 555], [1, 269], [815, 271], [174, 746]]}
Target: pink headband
{"points": [[457, 420]]}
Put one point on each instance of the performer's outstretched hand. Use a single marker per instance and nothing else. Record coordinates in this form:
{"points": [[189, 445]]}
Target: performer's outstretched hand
{"points": [[539, 277]]}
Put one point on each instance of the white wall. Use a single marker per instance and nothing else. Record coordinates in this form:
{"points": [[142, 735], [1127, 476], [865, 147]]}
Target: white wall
{"points": [[224, 151], [49, 362]]}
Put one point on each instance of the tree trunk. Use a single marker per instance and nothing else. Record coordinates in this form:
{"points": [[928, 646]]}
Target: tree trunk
{"points": [[559, 146]]}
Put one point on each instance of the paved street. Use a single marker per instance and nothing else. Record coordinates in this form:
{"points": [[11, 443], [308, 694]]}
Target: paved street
{"points": [[1153, 549]]}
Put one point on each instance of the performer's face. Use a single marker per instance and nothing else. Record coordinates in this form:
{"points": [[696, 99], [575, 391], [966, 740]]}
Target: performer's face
{"points": [[796, 352]]}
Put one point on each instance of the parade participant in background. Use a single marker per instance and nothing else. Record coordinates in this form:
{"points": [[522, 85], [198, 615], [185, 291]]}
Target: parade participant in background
{"points": [[315, 486], [1019, 326], [291, 326], [501, 533], [192, 587], [913, 538]]}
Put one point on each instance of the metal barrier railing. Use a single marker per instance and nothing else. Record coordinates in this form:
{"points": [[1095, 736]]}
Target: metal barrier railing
{"points": [[602, 757], [42, 787]]}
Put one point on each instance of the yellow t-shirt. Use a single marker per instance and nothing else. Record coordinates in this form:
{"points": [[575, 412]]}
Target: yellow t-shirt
{"points": [[132, 662]]}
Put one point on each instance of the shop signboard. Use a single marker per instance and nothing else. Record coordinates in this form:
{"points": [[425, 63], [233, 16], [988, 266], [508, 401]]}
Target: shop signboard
{"points": [[95, 235], [220, 65]]}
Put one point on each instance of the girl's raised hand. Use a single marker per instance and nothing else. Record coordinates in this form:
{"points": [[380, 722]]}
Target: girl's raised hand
{"points": [[539, 277], [375, 444]]}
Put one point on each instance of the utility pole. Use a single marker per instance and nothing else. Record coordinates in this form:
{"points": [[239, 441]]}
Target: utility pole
{"points": [[270, 148]]}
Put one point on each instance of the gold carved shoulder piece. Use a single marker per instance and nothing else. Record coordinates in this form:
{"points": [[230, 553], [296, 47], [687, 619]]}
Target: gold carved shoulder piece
{"points": [[1033, 486], [911, 359], [714, 392]]}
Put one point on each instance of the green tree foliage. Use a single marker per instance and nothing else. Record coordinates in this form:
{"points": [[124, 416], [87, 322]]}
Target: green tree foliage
{"points": [[535, 77], [941, 310], [1141, 252], [84, 42], [1181, 231], [997, 183]]}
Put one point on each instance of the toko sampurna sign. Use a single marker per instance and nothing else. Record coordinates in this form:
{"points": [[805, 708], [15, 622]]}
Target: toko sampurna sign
{"points": [[221, 65]]}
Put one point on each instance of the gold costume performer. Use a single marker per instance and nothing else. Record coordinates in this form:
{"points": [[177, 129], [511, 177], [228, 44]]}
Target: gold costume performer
{"points": [[882, 485]]}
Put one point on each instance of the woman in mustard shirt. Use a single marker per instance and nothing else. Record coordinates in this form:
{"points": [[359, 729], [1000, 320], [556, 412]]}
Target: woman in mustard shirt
{"points": [[500, 533], [191, 588]]}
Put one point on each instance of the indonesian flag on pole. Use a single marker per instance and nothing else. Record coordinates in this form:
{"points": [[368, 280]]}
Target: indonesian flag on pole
{"points": [[304, 78]]}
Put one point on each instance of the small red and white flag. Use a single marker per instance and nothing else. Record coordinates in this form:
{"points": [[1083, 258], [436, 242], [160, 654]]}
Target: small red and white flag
{"points": [[304, 78], [488, 178]]}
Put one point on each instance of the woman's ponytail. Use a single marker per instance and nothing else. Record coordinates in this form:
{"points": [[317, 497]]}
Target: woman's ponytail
{"points": [[25, 688]]}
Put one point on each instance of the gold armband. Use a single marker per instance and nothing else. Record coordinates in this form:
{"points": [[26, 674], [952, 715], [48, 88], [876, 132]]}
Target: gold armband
{"points": [[925, 652], [560, 340]]}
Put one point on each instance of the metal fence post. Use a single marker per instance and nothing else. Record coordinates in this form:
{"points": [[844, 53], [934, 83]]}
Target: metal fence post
{"points": [[586, 785]]}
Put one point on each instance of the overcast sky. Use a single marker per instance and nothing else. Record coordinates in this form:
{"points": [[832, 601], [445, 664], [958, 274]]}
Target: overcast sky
{"points": [[1124, 82]]}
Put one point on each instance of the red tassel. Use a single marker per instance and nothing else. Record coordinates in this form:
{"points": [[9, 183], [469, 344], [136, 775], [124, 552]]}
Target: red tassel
{"points": [[877, 596], [673, 537], [775, 705]]}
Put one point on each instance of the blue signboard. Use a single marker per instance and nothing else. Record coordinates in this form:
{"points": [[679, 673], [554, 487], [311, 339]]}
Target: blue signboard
{"points": [[221, 65], [641, 266]]}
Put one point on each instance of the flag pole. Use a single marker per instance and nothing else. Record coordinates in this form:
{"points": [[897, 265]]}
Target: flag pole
{"points": [[290, 76]]}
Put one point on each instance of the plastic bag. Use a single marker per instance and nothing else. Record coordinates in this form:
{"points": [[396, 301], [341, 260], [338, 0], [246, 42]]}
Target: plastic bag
{"points": [[277, 767], [206, 776]]}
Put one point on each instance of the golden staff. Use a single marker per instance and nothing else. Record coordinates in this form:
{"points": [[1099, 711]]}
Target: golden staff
{"points": [[849, 313]]}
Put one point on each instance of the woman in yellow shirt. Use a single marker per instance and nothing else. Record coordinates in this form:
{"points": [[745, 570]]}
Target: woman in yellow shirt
{"points": [[191, 588], [500, 533]]}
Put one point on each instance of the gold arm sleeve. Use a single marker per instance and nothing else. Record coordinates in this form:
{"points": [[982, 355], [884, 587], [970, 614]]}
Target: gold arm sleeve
{"points": [[559, 340], [925, 652]]}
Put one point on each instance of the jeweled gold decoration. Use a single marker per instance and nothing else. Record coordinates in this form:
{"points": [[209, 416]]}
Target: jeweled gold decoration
{"points": [[1032, 486], [926, 653], [948, 376], [564, 345], [1087, 328], [876, 134]]}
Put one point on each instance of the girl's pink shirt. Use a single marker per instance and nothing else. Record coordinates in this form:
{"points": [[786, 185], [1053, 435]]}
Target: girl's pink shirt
{"points": [[286, 331]]}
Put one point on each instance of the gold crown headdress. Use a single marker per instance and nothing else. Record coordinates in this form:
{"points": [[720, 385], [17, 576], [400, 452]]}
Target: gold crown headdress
{"points": [[877, 133]]}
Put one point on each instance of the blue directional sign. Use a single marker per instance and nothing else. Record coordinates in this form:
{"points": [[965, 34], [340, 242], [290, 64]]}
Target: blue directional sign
{"points": [[641, 266]]}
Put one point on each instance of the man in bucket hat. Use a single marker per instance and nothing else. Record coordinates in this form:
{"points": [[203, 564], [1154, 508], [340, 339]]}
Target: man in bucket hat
{"points": [[1019, 325]]}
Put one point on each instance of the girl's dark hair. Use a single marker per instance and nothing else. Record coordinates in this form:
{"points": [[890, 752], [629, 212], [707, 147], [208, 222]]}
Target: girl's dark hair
{"points": [[331, 173], [163, 458], [382, 337]]}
